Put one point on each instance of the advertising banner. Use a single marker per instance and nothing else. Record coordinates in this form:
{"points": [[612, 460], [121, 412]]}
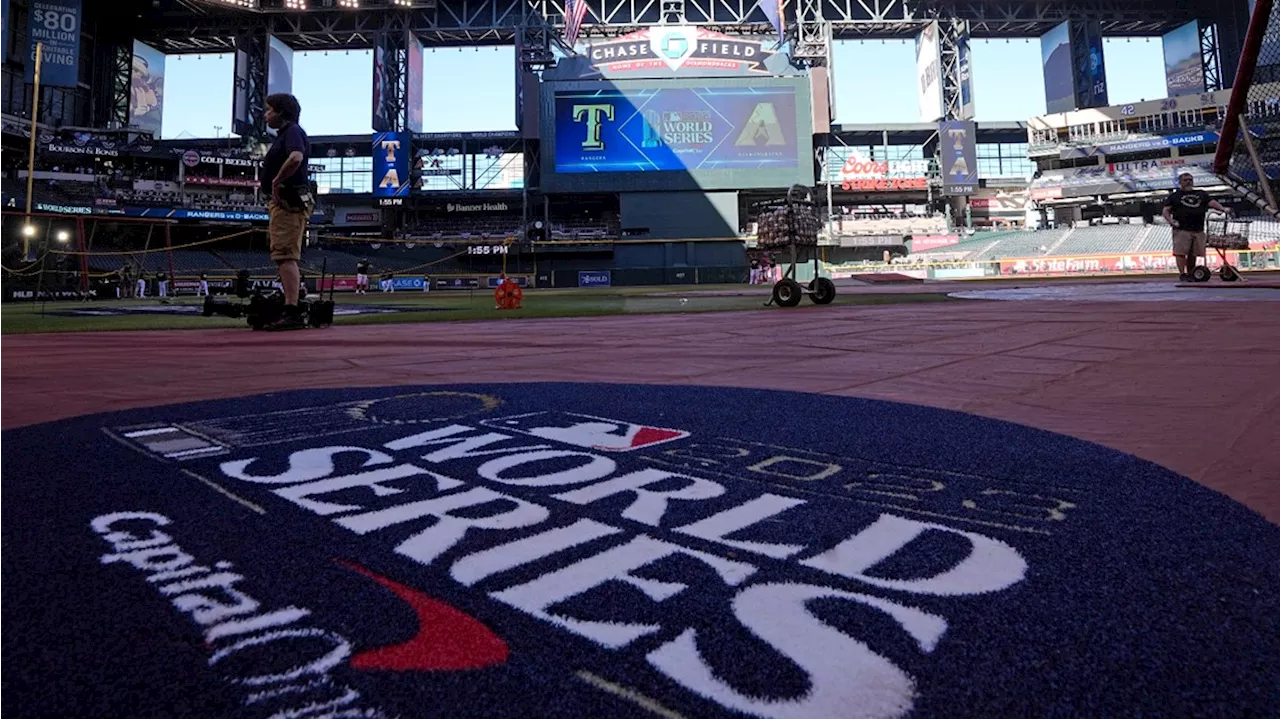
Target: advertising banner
{"points": [[967, 107], [675, 129], [595, 278], [4, 30], [957, 144], [1207, 137], [1055, 60], [1122, 177], [1156, 262], [669, 51], [380, 122], [455, 283], [55, 24], [337, 284], [357, 216], [146, 89], [279, 66], [920, 243], [1090, 60], [929, 73], [241, 123], [858, 173], [1183, 68], [392, 152], [413, 96]]}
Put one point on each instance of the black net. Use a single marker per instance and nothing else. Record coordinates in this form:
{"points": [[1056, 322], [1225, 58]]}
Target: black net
{"points": [[1256, 143]]}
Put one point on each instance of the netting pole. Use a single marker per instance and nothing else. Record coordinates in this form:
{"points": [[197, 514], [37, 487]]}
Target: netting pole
{"points": [[31, 151], [1257, 164], [168, 248], [1240, 88], [83, 246]]}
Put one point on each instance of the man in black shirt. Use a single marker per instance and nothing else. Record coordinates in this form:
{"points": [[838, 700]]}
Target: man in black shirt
{"points": [[1184, 210], [284, 180]]}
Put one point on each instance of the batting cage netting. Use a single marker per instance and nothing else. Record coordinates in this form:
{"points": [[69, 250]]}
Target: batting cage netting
{"points": [[1248, 156]]}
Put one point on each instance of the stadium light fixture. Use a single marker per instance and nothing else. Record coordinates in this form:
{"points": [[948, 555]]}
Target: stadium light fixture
{"points": [[28, 230], [295, 4], [63, 236], [402, 3], [349, 4]]}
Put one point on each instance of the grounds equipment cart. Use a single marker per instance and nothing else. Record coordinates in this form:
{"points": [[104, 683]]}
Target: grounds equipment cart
{"points": [[793, 224], [1223, 234]]}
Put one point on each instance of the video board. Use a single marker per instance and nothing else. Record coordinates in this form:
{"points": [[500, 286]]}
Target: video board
{"points": [[705, 134]]}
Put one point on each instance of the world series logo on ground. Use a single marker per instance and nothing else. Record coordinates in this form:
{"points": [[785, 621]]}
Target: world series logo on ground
{"points": [[549, 550]]}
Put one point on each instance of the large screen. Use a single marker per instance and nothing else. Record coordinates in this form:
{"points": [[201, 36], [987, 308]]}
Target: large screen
{"points": [[707, 134]]}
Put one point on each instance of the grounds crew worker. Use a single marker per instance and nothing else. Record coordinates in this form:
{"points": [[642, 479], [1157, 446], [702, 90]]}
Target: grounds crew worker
{"points": [[1184, 210], [284, 178]]}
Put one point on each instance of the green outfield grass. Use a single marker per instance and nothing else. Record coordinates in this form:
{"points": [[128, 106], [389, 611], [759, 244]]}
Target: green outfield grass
{"points": [[16, 318]]}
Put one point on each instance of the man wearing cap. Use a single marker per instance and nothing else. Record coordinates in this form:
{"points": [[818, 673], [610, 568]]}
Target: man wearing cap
{"points": [[1184, 210]]}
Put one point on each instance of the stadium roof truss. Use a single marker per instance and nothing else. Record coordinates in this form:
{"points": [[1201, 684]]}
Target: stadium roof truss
{"points": [[191, 27]]}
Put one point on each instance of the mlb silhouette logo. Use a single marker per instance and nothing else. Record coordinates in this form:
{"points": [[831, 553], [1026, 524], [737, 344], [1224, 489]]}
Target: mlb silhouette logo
{"points": [[589, 432]]}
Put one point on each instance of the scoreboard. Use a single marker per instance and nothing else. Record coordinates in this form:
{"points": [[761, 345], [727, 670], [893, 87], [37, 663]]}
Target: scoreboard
{"points": [[712, 133]]}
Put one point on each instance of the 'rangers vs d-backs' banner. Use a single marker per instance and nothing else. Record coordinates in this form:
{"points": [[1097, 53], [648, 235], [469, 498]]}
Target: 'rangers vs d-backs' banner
{"points": [[673, 51], [55, 24], [392, 152]]}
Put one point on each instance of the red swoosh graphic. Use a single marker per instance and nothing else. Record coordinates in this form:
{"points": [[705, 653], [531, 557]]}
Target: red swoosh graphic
{"points": [[447, 639]]}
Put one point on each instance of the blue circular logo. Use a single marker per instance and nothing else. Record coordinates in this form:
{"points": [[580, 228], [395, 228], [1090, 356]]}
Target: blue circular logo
{"points": [[600, 550]]}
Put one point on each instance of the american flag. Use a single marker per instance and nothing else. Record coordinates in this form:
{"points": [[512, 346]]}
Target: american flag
{"points": [[574, 12]]}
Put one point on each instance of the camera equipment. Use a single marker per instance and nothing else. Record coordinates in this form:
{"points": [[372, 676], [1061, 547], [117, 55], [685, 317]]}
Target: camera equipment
{"points": [[266, 304]]}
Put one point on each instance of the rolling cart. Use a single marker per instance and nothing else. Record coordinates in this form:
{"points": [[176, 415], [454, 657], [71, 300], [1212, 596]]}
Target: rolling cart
{"points": [[793, 224], [1223, 234]]}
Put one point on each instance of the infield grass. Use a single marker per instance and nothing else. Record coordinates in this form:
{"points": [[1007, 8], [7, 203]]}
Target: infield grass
{"points": [[60, 316]]}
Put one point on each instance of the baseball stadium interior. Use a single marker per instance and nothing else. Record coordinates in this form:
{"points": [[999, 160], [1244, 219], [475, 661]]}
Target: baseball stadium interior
{"points": [[1076, 190], [677, 391]]}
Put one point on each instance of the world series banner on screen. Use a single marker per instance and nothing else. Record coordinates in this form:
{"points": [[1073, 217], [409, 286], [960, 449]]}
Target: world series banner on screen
{"points": [[756, 131], [55, 24], [146, 89], [392, 152]]}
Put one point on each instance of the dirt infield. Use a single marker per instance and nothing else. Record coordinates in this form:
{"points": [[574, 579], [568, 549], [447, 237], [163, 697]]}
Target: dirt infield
{"points": [[1189, 385]]}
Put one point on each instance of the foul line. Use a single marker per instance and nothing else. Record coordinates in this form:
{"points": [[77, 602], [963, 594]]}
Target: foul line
{"points": [[628, 694], [221, 489]]}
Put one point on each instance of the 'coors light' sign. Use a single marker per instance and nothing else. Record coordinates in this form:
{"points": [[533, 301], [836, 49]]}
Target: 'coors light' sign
{"points": [[860, 174]]}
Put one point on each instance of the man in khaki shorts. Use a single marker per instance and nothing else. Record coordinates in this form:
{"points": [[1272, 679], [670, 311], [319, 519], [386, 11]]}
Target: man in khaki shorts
{"points": [[1184, 210], [284, 180]]}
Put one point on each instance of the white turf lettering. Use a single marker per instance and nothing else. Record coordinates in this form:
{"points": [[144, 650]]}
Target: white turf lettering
{"points": [[304, 466], [230, 612], [991, 565], [846, 678], [437, 539], [718, 527], [487, 562], [457, 447], [615, 564], [597, 467], [649, 505], [299, 493]]}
